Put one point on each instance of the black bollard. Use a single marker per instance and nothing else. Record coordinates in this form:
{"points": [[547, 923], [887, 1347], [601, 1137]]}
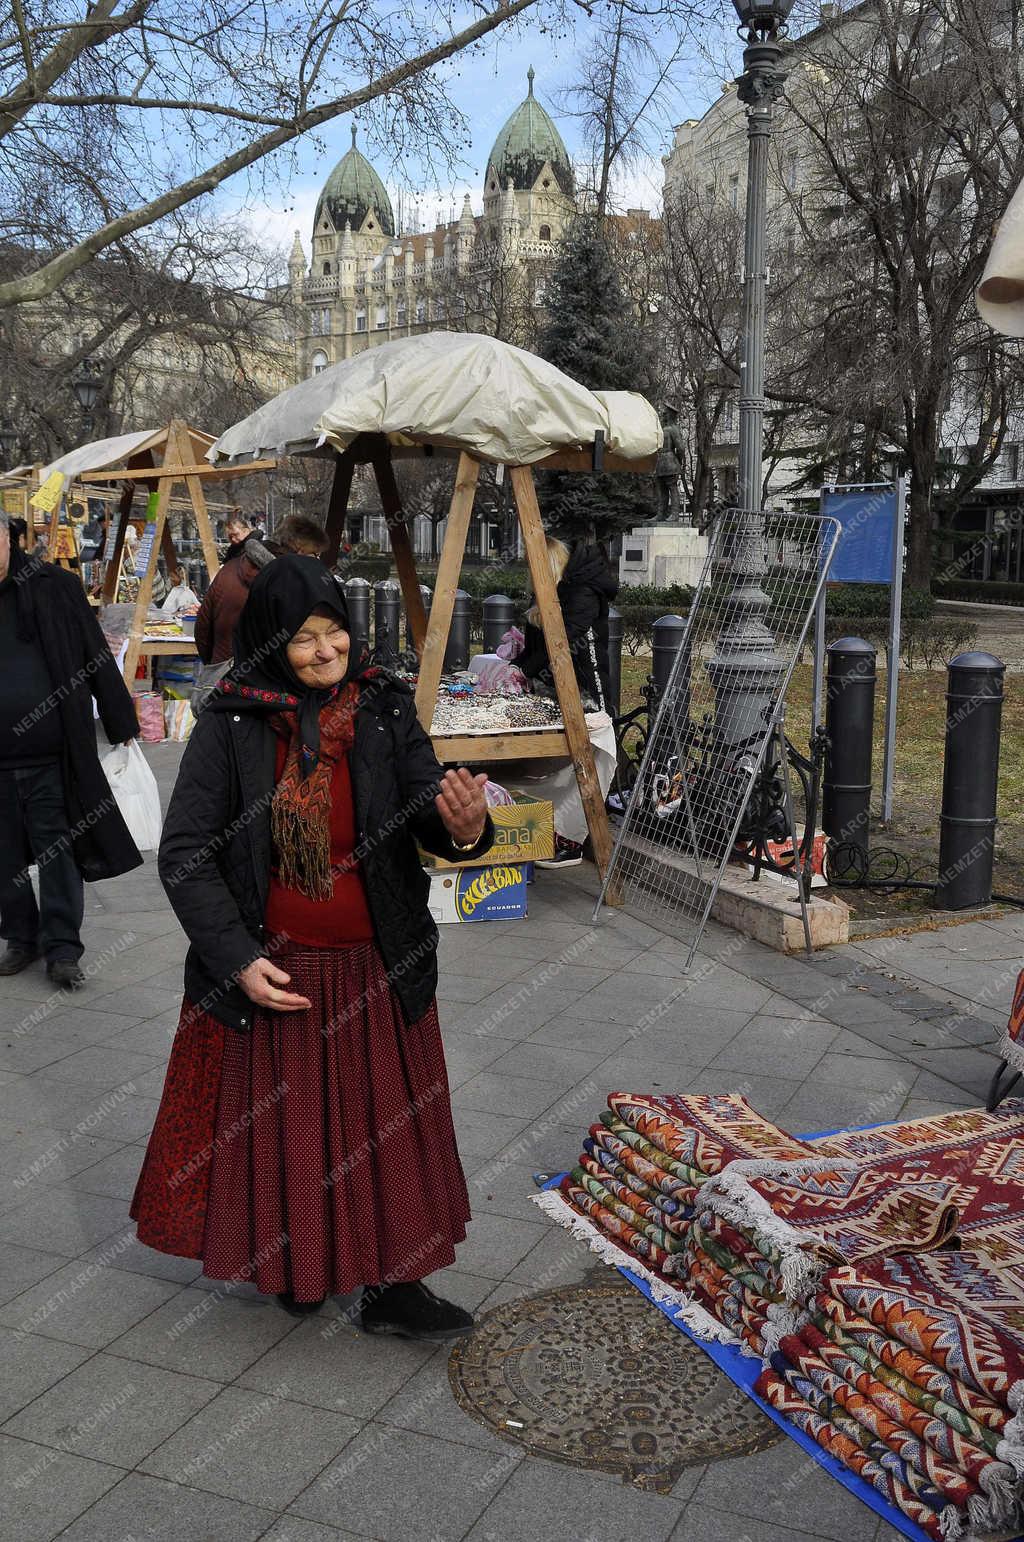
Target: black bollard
{"points": [[849, 724], [974, 706], [357, 594], [614, 659], [499, 614], [666, 639], [387, 604], [426, 597], [456, 653]]}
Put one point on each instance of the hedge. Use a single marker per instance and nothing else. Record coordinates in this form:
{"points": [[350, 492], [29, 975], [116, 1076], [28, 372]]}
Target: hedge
{"points": [[978, 591]]}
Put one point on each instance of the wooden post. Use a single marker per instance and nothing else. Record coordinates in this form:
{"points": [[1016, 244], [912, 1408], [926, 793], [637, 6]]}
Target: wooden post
{"points": [[180, 441], [337, 507], [401, 546], [136, 638], [566, 685], [448, 571]]}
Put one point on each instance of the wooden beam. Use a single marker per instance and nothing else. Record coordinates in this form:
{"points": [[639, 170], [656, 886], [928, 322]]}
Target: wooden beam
{"points": [[179, 449], [448, 570], [566, 686], [583, 462], [401, 546], [479, 749], [185, 468], [337, 506]]}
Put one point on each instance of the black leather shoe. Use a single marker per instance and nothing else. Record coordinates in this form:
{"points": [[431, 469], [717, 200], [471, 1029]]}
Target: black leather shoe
{"points": [[16, 958], [65, 974], [297, 1308], [412, 1311]]}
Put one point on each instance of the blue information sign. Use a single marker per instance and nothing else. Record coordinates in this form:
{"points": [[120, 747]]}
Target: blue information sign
{"points": [[867, 543]]}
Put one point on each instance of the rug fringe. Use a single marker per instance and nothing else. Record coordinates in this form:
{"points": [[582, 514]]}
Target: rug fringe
{"points": [[1011, 1447], [684, 1308], [729, 1194]]}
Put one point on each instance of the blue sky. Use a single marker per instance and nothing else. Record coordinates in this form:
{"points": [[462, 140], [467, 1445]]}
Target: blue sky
{"points": [[486, 85]]}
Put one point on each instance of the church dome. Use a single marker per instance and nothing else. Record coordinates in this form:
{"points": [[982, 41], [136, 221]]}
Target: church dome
{"points": [[352, 191], [528, 140]]}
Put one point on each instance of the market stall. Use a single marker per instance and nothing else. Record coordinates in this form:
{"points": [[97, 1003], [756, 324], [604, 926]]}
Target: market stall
{"points": [[158, 460], [480, 400]]}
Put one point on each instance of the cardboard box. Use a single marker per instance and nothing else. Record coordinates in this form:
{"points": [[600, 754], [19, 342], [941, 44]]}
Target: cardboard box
{"points": [[496, 893], [523, 832]]}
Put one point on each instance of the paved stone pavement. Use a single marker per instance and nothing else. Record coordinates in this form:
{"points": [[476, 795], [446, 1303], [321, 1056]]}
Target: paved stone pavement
{"points": [[143, 1401]]}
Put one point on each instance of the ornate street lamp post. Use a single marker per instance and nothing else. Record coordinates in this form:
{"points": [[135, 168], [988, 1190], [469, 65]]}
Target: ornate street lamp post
{"points": [[745, 668], [87, 384]]}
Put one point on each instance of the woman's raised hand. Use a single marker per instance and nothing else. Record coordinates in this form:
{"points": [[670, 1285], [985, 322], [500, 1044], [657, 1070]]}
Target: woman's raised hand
{"points": [[462, 805], [261, 980]]}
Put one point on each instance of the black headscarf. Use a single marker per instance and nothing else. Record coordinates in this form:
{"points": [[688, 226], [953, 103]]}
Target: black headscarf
{"points": [[261, 679]]}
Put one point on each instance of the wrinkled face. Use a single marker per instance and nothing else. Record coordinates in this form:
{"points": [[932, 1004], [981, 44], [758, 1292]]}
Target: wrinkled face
{"points": [[237, 531], [318, 653]]}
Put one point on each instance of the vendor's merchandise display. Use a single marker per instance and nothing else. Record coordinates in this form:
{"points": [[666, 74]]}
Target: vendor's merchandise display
{"points": [[484, 712], [878, 1276], [478, 894]]}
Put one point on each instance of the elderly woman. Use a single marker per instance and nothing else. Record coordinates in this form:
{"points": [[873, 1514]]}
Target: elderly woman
{"points": [[304, 1139]]}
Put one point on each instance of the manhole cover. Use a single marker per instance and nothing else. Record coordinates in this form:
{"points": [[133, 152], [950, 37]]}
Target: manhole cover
{"points": [[593, 1374]]}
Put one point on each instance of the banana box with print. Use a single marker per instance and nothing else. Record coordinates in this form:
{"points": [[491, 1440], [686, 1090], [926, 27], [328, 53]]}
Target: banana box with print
{"points": [[495, 893], [523, 832]]}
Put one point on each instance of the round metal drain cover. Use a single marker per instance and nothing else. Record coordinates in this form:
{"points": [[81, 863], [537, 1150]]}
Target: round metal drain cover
{"points": [[595, 1375]]}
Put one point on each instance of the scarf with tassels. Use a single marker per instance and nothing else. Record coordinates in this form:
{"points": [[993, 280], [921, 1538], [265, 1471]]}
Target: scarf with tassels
{"points": [[300, 814]]}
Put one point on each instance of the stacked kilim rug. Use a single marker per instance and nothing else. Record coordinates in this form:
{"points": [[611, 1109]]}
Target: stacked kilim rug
{"points": [[878, 1275]]}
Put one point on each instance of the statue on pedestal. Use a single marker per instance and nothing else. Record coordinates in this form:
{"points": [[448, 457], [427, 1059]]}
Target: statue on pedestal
{"points": [[669, 465]]}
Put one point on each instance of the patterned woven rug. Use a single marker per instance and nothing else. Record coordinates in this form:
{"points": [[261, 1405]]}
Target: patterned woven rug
{"points": [[588, 1374]]}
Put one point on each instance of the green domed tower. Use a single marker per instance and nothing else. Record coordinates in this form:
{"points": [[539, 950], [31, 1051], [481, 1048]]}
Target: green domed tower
{"points": [[529, 189], [354, 193]]}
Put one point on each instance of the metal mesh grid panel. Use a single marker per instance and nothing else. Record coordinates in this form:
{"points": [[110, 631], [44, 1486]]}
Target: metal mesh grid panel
{"points": [[719, 712]]}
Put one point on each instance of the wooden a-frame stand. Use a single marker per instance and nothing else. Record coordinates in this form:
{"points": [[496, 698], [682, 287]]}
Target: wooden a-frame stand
{"points": [[430, 637], [182, 450]]}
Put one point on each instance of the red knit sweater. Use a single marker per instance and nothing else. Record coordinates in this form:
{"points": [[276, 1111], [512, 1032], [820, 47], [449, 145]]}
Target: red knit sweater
{"points": [[343, 918]]}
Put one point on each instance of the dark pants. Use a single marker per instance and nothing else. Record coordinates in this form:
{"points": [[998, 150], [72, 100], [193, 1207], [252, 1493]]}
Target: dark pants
{"points": [[34, 827]]}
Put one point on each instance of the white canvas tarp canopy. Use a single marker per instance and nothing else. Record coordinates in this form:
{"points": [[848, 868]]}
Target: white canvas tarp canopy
{"points": [[455, 391], [1000, 296], [103, 454]]}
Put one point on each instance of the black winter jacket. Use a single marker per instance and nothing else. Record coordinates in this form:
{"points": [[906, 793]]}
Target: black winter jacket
{"points": [[215, 855], [81, 667], [584, 593]]}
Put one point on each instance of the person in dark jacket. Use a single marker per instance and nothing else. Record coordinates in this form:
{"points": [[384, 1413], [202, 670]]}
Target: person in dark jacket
{"points": [[304, 1139], [56, 806], [586, 588]]}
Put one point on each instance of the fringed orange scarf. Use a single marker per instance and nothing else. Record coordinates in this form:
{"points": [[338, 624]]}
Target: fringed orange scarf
{"points": [[300, 814]]}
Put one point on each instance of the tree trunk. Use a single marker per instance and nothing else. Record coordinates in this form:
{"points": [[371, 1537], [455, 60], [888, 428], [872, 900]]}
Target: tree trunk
{"points": [[919, 537]]}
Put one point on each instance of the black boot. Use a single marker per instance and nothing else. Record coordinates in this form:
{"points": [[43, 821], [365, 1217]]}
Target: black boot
{"points": [[297, 1308], [413, 1312], [65, 974], [16, 958]]}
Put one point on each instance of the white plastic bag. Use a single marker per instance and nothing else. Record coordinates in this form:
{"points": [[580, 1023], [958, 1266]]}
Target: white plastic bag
{"points": [[134, 787]]}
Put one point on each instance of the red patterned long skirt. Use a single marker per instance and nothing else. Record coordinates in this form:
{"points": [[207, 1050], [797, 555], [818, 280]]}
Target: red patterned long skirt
{"points": [[317, 1152]]}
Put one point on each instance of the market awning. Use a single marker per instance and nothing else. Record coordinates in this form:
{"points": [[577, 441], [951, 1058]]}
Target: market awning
{"points": [[453, 391], [100, 454], [1000, 296]]}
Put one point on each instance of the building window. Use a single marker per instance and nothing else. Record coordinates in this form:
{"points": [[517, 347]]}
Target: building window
{"points": [[1013, 462], [440, 310], [318, 362], [729, 417], [734, 190], [791, 170], [327, 270], [790, 240], [360, 321], [545, 232], [709, 192], [400, 313], [382, 317], [421, 310]]}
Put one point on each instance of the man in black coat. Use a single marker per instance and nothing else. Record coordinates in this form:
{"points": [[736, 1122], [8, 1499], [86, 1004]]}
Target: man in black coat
{"points": [[56, 806]]}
